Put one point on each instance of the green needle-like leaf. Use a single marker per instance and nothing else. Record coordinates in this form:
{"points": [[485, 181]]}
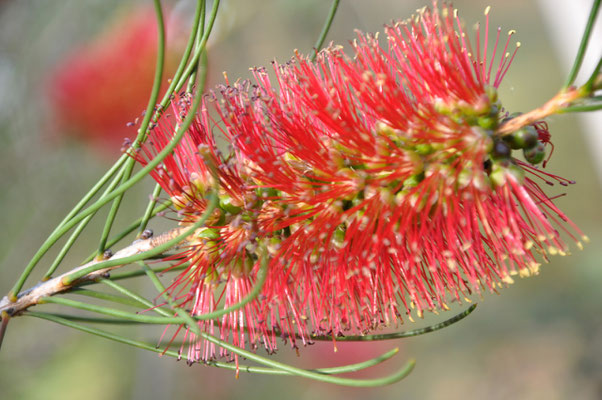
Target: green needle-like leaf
{"points": [[213, 201], [70, 321], [325, 28], [137, 273], [77, 216], [403, 334], [78, 230], [261, 278], [194, 62], [583, 45], [149, 209], [131, 228], [387, 380], [135, 297], [108, 297]]}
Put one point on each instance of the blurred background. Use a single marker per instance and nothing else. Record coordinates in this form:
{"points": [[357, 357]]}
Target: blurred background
{"points": [[74, 73]]}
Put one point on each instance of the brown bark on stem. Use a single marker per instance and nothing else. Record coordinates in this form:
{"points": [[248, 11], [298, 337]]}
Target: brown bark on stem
{"points": [[555, 104], [32, 296]]}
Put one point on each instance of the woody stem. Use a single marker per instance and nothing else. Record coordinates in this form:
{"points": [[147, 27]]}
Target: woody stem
{"points": [[59, 284], [554, 105]]}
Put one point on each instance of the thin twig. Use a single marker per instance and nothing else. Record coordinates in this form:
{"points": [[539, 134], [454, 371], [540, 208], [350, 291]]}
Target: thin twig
{"points": [[554, 105], [30, 297]]}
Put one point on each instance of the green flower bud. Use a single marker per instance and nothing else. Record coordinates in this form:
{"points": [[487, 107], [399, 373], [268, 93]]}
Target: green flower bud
{"points": [[424, 149], [488, 122], [524, 138], [413, 180], [225, 203], [208, 233], [339, 236], [536, 154], [498, 175]]}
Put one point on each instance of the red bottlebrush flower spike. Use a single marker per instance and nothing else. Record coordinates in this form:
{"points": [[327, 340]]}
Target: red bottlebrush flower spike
{"points": [[377, 184]]}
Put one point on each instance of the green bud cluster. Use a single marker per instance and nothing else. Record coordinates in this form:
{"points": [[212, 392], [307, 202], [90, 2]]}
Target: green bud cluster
{"points": [[526, 139]]}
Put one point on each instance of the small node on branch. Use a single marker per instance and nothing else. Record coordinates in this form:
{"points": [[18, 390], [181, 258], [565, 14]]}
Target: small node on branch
{"points": [[146, 234]]}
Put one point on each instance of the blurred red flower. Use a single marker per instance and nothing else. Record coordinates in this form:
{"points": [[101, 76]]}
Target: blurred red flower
{"points": [[104, 83]]}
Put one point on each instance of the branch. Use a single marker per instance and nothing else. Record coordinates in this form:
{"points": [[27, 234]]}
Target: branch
{"points": [[32, 296], [554, 105]]}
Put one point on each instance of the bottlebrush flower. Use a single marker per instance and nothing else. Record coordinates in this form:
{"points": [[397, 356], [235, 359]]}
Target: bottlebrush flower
{"points": [[104, 83], [378, 185]]}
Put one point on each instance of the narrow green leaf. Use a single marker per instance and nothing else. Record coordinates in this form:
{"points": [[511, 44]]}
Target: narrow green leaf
{"points": [[181, 67], [583, 45], [325, 28], [261, 278], [59, 232], [135, 297], [91, 320], [387, 380], [148, 213], [199, 36], [148, 319], [78, 230], [595, 80], [131, 228], [107, 297], [194, 62], [70, 321], [137, 273], [151, 253], [403, 334]]}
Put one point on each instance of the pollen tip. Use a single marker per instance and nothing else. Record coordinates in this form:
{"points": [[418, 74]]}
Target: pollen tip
{"points": [[585, 238], [534, 266], [517, 44], [487, 9], [511, 32], [524, 273]]}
